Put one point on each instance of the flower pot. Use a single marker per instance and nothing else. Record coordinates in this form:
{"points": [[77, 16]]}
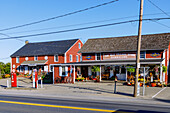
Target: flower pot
{"points": [[153, 84]]}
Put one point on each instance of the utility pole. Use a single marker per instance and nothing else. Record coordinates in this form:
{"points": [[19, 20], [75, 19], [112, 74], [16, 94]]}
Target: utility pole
{"points": [[138, 48]]}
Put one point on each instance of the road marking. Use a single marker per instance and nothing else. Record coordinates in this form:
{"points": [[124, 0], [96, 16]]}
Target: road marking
{"points": [[57, 106], [158, 92]]}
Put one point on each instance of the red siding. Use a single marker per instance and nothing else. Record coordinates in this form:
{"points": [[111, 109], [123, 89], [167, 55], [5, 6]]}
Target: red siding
{"points": [[74, 51]]}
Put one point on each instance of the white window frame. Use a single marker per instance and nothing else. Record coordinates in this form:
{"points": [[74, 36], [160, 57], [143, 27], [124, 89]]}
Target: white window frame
{"points": [[144, 53], [35, 58], [55, 58], [71, 57], [77, 58], [80, 58], [96, 56], [17, 59], [79, 45]]}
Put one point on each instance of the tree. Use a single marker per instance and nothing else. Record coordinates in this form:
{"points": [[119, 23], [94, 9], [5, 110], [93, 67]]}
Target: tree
{"points": [[95, 69], [7, 68], [2, 68]]}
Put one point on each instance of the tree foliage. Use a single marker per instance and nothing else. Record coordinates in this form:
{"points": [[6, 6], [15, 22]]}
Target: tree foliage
{"points": [[5, 68]]}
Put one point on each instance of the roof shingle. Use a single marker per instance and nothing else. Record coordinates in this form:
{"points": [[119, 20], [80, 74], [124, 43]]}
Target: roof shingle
{"points": [[45, 48], [126, 43]]}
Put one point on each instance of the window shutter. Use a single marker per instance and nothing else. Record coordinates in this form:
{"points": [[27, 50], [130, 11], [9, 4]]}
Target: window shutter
{"points": [[66, 70], [60, 71]]}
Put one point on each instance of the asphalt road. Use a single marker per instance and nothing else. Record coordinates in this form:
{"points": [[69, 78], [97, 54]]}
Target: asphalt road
{"points": [[12, 104]]}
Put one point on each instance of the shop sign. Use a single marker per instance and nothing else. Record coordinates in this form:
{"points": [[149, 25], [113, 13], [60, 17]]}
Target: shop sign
{"points": [[112, 56], [88, 57], [155, 54]]}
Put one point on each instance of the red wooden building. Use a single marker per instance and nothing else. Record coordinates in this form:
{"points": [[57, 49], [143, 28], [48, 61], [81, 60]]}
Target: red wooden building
{"points": [[115, 54], [40, 55]]}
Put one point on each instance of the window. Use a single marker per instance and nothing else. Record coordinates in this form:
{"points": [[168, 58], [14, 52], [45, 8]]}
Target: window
{"points": [[51, 68], [98, 56], [35, 58], [142, 54], [71, 58], [63, 71], [56, 58], [17, 59], [79, 45], [80, 58], [77, 58]]}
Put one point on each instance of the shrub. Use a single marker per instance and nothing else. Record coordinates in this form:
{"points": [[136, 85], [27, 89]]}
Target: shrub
{"points": [[7, 76]]}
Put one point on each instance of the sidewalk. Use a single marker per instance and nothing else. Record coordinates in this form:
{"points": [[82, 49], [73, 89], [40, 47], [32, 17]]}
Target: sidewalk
{"points": [[87, 91]]}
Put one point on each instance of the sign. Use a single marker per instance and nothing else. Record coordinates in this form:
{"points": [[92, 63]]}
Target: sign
{"points": [[155, 54], [88, 57], [114, 56]]}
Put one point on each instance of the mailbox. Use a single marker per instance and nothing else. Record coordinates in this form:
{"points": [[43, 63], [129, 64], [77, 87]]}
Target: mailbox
{"points": [[13, 79]]}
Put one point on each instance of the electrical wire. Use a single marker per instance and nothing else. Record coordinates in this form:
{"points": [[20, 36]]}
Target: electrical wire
{"points": [[159, 8], [83, 28], [72, 25], [52, 18]]}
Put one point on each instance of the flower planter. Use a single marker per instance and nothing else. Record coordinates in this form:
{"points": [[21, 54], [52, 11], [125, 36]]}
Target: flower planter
{"points": [[153, 84]]}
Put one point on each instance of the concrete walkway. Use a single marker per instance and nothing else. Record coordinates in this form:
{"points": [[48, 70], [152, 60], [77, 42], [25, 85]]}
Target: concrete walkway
{"points": [[87, 90]]}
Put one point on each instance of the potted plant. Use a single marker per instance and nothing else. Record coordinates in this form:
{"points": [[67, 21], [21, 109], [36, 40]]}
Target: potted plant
{"points": [[96, 69]]}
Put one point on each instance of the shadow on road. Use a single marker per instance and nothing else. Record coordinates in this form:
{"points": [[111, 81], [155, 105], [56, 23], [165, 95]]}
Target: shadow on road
{"points": [[99, 90], [162, 100]]}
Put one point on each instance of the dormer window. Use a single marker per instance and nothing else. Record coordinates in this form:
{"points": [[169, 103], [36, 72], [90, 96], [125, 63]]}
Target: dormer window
{"points": [[35, 58]]}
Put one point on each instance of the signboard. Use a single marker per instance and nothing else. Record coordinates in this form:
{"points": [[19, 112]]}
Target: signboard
{"points": [[155, 54], [88, 57], [115, 56]]}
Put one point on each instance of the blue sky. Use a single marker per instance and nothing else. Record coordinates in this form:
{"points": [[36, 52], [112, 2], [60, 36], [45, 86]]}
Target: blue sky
{"points": [[18, 12]]}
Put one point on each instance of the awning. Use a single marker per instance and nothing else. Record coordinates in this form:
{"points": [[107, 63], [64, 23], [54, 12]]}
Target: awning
{"points": [[115, 62], [34, 63]]}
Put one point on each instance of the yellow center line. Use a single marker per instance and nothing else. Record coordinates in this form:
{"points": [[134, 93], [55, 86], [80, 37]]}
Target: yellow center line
{"points": [[57, 106]]}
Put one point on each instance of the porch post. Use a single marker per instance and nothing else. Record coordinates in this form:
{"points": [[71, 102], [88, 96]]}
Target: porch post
{"points": [[74, 75], [161, 72], [53, 74], [126, 74], [100, 74]]}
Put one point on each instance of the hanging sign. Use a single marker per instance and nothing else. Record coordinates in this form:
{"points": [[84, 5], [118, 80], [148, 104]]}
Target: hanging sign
{"points": [[88, 57], [109, 56], [155, 54]]}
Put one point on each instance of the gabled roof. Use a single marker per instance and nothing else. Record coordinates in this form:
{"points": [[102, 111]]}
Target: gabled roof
{"points": [[45, 48], [126, 43]]}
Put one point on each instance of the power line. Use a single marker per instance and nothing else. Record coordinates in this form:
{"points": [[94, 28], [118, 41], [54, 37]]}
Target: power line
{"points": [[161, 11], [161, 24], [72, 25], [83, 28], [159, 8], [67, 14], [4, 58]]}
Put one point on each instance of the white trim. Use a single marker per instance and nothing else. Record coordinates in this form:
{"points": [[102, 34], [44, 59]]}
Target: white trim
{"points": [[65, 58], [55, 58], [11, 63]]}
